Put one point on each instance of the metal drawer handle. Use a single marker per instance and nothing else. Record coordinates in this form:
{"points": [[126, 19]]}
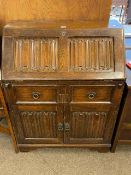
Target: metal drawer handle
{"points": [[35, 95], [91, 95]]}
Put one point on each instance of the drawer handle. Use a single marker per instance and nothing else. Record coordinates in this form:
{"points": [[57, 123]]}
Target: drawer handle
{"points": [[36, 95], [91, 95]]}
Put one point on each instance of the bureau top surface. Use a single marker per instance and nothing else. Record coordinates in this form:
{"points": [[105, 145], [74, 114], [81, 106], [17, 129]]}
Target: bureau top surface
{"points": [[52, 24], [45, 51]]}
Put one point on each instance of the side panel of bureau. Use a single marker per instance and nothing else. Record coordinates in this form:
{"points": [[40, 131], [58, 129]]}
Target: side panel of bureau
{"points": [[125, 132]]}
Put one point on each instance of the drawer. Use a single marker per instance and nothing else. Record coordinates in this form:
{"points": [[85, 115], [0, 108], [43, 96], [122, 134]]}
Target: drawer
{"points": [[35, 93], [92, 93]]}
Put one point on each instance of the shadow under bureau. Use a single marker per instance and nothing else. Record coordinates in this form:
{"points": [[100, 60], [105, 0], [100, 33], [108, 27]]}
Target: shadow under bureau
{"points": [[63, 87]]}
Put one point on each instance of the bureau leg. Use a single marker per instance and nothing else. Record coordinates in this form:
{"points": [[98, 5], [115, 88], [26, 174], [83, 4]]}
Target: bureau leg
{"points": [[23, 149], [26, 149]]}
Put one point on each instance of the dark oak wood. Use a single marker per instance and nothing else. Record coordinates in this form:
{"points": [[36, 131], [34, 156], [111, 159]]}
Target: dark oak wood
{"points": [[63, 86], [83, 122], [83, 53]]}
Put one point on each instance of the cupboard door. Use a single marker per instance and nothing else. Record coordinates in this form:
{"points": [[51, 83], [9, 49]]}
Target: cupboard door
{"points": [[38, 124], [86, 124], [90, 118]]}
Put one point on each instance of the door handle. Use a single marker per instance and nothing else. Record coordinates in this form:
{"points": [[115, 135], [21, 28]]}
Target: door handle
{"points": [[60, 127], [67, 127]]}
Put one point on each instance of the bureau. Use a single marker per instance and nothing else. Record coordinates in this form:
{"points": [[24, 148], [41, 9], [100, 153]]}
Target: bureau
{"points": [[63, 86]]}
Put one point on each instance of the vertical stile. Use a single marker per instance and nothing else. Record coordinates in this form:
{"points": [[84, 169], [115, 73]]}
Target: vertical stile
{"points": [[111, 54], [97, 54], [93, 55], [56, 54], [16, 54], [37, 53], [101, 54], [50, 54], [105, 52], [32, 54], [107, 55], [20, 54], [42, 54], [71, 55], [53, 54], [89, 44], [87, 55], [76, 54]]}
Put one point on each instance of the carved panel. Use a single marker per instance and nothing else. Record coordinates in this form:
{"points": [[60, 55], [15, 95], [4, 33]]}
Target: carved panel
{"points": [[91, 54], [35, 55], [88, 124], [38, 124]]}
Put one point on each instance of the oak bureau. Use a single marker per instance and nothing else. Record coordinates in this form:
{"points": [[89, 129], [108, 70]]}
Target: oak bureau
{"points": [[63, 85]]}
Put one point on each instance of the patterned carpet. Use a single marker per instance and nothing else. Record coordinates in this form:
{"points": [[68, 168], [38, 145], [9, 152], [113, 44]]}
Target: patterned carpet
{"points": [[63, 161]]}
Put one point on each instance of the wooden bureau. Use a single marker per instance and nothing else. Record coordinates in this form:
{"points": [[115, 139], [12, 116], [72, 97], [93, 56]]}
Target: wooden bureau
{"points": [[63, 86]]}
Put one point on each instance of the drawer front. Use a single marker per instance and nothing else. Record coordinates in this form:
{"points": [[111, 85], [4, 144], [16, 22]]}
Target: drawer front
{"points": [[35, 93], [92, 93]]}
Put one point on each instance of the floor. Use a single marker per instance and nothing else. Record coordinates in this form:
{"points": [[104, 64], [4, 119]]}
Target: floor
{"points": [[54, 161]]}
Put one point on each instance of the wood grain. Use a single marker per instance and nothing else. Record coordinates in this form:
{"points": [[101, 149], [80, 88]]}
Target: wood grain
{"points": [[96, 10], [58, 51]]}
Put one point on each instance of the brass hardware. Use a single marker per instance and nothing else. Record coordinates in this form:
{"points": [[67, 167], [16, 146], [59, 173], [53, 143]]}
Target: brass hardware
{"points": [[67, 127], [35, 95], [91, 95], [60, 127]]}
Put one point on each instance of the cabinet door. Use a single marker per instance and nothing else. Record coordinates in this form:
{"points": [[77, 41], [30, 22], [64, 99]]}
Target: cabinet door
{"points": [[90, 115], [37, 114], [38, 124]]}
